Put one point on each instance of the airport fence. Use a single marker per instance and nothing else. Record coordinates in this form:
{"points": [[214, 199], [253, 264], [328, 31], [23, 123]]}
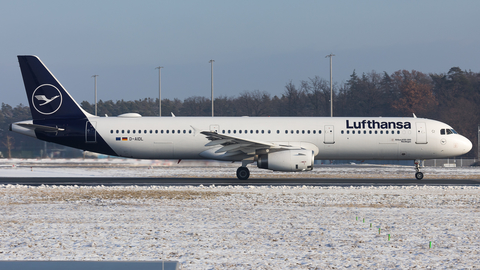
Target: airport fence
{"points": [[451, 162]]}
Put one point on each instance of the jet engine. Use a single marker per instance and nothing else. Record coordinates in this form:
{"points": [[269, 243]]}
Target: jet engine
{"points": [[287, 160]]}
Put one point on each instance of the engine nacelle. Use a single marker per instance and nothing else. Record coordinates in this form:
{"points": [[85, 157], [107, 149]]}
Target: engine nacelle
{"points": [[287, 160]]}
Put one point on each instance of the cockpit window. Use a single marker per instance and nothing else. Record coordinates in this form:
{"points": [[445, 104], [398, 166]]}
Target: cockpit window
{"points": [[447, 131]]}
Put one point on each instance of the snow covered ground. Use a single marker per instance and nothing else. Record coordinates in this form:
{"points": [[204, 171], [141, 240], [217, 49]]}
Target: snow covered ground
{"points": [[235, 227]]}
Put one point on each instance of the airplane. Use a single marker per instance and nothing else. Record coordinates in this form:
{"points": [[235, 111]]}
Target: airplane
{"points": [[289, 144]]}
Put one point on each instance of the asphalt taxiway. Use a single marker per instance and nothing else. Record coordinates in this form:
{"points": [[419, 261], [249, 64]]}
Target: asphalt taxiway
{"points": [[148, 181]]}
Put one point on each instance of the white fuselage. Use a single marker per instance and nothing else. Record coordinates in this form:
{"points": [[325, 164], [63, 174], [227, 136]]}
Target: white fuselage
{"points": [[334, 137]]}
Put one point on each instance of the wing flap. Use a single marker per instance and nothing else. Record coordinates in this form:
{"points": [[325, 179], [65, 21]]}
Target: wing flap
{"points": [[233, 145]]}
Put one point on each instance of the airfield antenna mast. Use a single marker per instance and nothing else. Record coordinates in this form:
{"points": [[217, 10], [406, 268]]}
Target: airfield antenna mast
{"points": [[331, 86], [211, 62], [95, 76], [159, 90]]}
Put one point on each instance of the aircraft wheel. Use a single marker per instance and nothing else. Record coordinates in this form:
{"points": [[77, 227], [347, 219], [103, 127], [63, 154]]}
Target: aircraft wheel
{"points": [[243, 173], [419, 175]]}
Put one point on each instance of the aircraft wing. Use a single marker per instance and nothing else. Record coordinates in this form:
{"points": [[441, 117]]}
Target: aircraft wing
{"points": [[232, 144]]}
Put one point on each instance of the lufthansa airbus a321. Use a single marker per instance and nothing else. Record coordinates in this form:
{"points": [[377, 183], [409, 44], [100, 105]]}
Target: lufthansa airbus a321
{"points": [[289, 144]]}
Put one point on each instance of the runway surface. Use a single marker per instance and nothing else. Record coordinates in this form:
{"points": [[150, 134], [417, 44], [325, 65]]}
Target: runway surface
{"points": [[147, 181]]}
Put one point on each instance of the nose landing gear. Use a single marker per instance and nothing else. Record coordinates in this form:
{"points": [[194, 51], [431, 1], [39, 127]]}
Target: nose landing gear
{"points": [[418, 174]]}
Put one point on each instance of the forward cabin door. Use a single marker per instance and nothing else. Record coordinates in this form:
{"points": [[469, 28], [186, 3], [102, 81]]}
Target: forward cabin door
{"points": [[329, 139], [421, 133]]}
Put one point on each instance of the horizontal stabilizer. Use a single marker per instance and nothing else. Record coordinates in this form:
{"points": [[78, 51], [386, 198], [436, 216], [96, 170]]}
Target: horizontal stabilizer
{"points": [[39, 127]]}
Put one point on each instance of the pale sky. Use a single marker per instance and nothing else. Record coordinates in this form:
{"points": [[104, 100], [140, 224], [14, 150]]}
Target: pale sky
{"points": [[256, 45]]}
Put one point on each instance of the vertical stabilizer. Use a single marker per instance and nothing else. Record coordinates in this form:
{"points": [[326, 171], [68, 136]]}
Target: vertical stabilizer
{"points": [[46, 96]]}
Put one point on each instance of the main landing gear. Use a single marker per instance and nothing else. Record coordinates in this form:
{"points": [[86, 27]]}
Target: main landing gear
{"points": [[418, 174], [243, 173]]}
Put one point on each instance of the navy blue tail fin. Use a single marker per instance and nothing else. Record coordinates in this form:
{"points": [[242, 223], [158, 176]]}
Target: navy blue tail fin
{"points": [[46, 96]]}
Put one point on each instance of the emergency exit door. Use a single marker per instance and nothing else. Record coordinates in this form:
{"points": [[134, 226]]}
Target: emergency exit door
{"points": [[329, 135]]}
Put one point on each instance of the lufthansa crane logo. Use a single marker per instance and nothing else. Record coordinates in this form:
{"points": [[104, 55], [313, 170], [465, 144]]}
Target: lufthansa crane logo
{"points": [[47, 99]]}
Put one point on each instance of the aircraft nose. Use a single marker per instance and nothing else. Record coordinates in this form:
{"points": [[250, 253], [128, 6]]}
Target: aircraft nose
{"points": [[465, 145]]}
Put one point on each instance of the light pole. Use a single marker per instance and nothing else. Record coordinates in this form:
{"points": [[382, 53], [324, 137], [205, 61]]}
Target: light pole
{"points": [[211, 62], [159, 90], [331, 86], [95, 76]]}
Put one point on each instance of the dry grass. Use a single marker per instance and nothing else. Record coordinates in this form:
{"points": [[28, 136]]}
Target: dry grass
{"points": [[89, 194]]}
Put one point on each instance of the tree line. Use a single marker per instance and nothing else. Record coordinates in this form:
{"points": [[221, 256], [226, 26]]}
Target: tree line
{"points": [[452, 97]]}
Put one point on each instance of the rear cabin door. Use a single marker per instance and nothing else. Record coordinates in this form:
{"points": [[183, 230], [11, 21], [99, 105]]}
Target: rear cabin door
{"points": [[421, 133], [91, 132]]}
